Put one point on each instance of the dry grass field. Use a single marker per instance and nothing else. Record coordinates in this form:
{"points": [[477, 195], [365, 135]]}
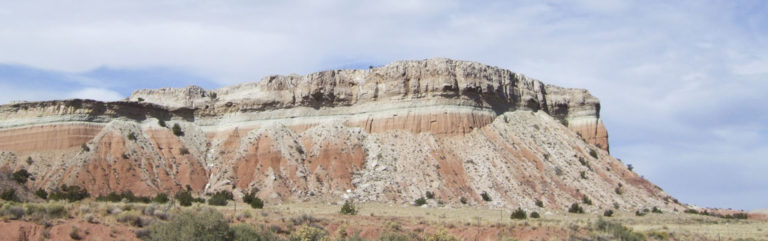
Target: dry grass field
{"points": [[91, 220]]}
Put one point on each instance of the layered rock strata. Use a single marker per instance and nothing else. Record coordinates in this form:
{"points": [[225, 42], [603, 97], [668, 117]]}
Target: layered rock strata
{"points": [[390, 134]]}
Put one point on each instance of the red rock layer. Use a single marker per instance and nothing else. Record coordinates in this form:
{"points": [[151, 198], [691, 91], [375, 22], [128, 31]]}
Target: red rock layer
{"points": [[47, 137]]}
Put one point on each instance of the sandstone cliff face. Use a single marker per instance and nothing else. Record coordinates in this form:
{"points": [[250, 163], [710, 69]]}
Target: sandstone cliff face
{"points": [[387, 134]]}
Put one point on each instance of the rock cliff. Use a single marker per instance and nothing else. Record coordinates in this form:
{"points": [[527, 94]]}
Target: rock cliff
{"points": [[388, 134]]}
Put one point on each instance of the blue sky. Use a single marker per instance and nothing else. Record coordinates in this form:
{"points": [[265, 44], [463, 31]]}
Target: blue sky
{"points": [[682, 83]]}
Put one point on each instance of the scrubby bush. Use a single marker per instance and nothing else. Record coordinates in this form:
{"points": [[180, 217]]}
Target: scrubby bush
{"points": [[220, 198], [641, 213], [161, 122], [394, 236], [205, 225], [131, 136], [608, 213], [9, 195], [463, 200], [441, 235], [593, 153], [485, 196], [539, 203], [160, 198], [308, 233], [128, 196], [14, 212], [535, 215], [619, 231], [518, 214], [655, 210], [583, 175], [41, 193], [348, 208], [245, 232], [184, 198], [630, 167], [430, 195], [737, 216], [420, 201], [254, 201], [21, 176], [586, 200], [177, 130], [575, 208], [85, 148], [217, 201], [691, 211], [70, 193]]}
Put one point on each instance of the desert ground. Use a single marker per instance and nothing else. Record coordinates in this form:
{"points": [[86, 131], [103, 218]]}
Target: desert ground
{"points": [[95, 220]]}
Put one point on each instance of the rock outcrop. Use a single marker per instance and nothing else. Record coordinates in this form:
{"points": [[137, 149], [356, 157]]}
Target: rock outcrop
{"points": [[387, 134]]}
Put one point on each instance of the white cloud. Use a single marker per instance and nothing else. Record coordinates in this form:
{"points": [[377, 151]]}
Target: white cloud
{"points": [[752, 67], [95, 94]]}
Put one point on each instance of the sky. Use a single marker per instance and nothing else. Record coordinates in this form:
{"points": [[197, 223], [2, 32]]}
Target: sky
{"points": [[682, 83]]}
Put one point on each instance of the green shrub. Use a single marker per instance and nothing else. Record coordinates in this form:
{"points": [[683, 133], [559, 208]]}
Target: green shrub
{"points": [[21, 176], [485, 196], [177, 130], [575, 208], [463, 200], [160, 198], [348, 208], [430, 195], [85, 148], [217, 200], [420, 201], [539, 203], [257, 203], [619, 231], [583, 175], [640, 213], [9, 195], [737, 216], [691, 211], [212, 95], [655, 210], [70, 193], [630, 167], [254, 201], [246, 232], [184, 198], [441, 235], [518, 214], [204, 225], [535, 215], [586, 200], [394, 236], [132, 136], [161, 122], [14, 212], [220, 198], [608, 213], [593, 153], [618, 190], [308, 233], [41, 193]]}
